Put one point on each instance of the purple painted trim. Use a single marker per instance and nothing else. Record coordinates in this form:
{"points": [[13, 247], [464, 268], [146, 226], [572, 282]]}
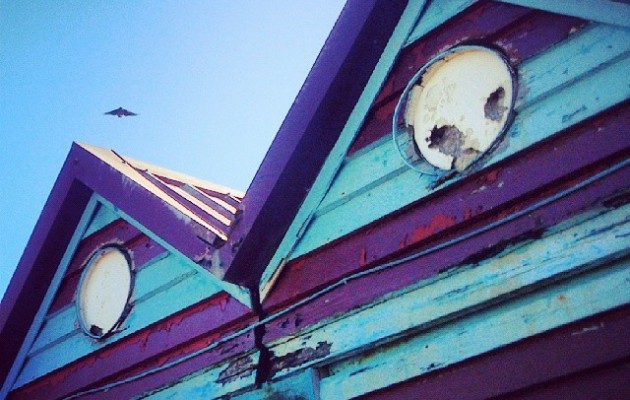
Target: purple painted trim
{"points": [[81, 175], [307, 135], [45, 248]]}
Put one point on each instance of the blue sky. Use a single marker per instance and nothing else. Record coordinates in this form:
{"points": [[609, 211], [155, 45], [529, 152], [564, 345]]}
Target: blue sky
{"points": [[211, 79]]}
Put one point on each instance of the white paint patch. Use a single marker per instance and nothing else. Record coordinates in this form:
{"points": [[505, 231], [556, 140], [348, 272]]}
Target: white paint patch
{"points": [[104, 291], [460, 106]]}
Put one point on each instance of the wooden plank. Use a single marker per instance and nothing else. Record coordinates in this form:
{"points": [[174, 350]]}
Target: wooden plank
{"points": [[444, 296], [606, 383], [382, 196], [605, 11], [590, 351], [300, 386], [584, 51], [337, 154], [118, 232], [484, 21], [141, 248], [39, 318], [219, 380], [102, 217], [239, 293], [556, 305], [149, 281], [539, 76], [437, 13], [70, 344], [170, 349]]}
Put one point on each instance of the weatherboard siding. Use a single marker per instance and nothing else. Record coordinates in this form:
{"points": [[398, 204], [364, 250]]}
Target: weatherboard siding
{"points": [[164, 349], [554, 278], [163, 285], [486, 198], [559, 88], [578, 269], [220, 380], [576, 361]]}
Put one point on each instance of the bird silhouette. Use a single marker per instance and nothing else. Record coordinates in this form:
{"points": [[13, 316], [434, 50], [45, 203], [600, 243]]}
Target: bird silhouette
{"points": [[121, 112]]}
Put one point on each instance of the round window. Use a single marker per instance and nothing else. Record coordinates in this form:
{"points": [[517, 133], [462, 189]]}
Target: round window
{"points": [[104, 291], [458, 105]]}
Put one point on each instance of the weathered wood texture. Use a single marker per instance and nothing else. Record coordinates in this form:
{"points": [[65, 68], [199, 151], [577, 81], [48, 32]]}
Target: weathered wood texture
{"points": [[174, 337], [485, 197], [565, 261], [176, 309], [557, 264], [578, 361], [571, 81]]}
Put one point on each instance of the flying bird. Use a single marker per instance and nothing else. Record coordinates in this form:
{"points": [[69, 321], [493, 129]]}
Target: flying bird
{"points": [[121, 112]]}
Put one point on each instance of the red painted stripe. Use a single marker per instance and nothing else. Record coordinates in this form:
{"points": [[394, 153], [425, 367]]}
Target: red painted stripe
{"points": [[364, 290], [170, 339], [583, 360], [519, 32], [515, 183]]}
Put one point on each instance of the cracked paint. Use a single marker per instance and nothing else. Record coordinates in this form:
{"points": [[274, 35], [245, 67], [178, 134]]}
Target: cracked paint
{"points": [[460, 106]]}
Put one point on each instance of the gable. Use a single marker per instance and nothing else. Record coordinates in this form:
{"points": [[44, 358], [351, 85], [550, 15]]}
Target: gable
{"points": [[164, 286], [386, 268], [566, 71], [165, 225]]}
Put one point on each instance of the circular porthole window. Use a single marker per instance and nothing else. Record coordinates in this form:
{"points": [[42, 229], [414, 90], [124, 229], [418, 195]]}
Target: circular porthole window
{"points": [[456, 107], [104, 291]]}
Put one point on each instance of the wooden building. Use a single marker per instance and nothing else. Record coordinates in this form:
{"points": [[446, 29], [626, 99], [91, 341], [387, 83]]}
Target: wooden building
{"points": [[443, 214]]}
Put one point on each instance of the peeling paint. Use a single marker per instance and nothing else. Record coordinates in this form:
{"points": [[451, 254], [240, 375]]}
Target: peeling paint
{"points": [[437, 223], [236, 370], [300, 356], [460, 106]]}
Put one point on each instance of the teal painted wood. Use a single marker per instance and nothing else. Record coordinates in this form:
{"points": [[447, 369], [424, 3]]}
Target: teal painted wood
{"points": [[606, 11], [598, 291], [39, 319], [61, 341], [586, 50], [540, 76], [239, 293], [376, 182], [575, 248], [158, 276], [301, 386], [437, 12], [103, 216], [211, 383], [332, 165]]}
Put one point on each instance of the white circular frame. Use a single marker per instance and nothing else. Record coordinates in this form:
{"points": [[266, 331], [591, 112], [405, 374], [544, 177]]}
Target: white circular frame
{"points": [[104, 292], [446, 101]]}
